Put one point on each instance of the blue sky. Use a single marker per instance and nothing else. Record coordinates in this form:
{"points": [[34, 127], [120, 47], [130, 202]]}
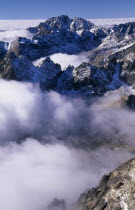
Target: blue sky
{"points": [[40, 9]]}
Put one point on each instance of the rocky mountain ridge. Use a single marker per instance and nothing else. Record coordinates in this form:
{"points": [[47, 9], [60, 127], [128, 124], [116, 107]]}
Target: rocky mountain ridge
{"points": [[110, 52], [85, 79]]}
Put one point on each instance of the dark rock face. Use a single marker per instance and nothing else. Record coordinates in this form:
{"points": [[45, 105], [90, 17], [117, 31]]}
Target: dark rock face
{"points": [[124, 29], [64, 41], [3, 49], [26, 47], [127, 56], [93, 78], [57, 204], [48, 74], [131, 102], [123, 34], [20, 69], [65, 82], [115, 191], [119, 44]]}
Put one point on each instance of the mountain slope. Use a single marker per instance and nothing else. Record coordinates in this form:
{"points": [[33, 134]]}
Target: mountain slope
{"points": [[115, 191]]}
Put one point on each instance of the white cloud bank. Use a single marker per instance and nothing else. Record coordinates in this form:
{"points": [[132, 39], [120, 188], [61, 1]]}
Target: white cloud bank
{"points": [[110, 22], [26, 111], [32, 174], [10, 35], [12, 29], [65, 60]]}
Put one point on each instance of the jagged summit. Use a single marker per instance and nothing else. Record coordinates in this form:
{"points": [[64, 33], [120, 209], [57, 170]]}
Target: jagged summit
{"points": [[81, 24], [55, 24], [128, 28], [52, 25], [59, 22]]}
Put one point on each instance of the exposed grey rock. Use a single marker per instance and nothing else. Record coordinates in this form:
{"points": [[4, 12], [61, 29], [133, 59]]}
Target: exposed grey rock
{"points": [[48, 74], [124, 29], [127, 57], [26, 47], [115, 191], [20, 69], [65, 83], [101, 79], [119, 38]]}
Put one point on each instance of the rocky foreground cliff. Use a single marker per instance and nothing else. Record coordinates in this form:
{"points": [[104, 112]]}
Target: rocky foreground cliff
{"points": [[116, 191]]}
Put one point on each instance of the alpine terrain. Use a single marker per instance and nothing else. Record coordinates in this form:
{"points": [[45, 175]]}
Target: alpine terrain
{"points": [[67, 113]]}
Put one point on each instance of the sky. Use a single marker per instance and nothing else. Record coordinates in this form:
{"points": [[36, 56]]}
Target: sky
{"points": [[42, 9]]}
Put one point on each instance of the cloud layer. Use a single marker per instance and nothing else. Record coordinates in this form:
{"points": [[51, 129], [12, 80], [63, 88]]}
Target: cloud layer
{"points": [[27, 112], [32, 174], [12, 29], [43, 141], [65, 60]]}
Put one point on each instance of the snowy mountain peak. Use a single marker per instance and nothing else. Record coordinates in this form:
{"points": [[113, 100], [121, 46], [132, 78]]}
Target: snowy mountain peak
{"points": [[81, 24], [55, 24]]}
